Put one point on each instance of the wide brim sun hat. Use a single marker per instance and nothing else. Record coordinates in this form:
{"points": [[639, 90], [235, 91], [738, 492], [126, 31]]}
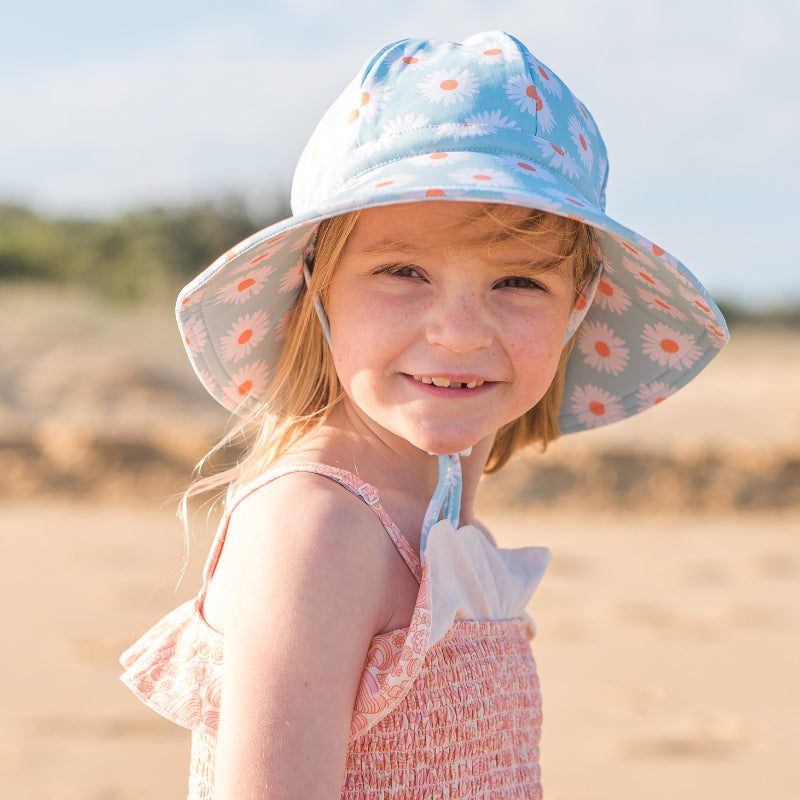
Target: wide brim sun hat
{"points": [[481, 121]]}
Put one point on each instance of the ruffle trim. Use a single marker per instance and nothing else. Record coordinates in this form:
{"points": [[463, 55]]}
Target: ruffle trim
{"points": [[176, 667]]}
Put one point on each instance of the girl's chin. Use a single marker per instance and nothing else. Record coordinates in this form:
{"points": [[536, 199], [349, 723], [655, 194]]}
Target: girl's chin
{"points": [[438, 445]]}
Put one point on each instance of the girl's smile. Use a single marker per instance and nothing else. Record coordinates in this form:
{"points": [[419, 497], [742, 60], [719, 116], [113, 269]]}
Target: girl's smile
{"points": [[444, 327]]}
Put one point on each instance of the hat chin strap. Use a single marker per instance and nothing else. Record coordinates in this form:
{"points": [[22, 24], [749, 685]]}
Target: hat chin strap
{"points": [[446, 500], [308, 264]]}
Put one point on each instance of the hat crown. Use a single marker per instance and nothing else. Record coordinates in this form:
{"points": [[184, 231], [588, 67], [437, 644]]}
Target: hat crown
{"points": [[417, 96]]}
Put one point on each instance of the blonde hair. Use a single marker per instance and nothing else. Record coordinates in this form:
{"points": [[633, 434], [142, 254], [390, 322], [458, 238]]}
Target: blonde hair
{"points": [[305, 387]]}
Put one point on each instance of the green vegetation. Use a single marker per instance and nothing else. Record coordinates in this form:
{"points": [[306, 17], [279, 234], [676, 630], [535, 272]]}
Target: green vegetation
{"points": [[783, 316], [152, 253], [137, 256]]}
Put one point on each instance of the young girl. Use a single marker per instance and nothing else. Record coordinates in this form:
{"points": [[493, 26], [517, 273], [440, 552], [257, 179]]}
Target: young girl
{"points": [[448, 290]]}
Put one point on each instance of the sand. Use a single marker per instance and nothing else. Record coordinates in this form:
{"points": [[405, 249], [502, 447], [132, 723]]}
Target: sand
{"points": [[669, 620]]}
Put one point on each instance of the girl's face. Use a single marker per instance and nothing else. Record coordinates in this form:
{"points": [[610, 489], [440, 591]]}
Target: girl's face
{"points": [[438, 337]]}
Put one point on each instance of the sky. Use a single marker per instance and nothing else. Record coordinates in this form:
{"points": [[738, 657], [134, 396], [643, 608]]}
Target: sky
{"points": [[114, 106]]}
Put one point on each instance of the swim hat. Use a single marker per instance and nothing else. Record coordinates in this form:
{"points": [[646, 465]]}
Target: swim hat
{"points": [[481, 121]]}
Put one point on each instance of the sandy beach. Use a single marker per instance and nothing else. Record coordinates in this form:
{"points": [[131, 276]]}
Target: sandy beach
{"points": [[668, 623]]}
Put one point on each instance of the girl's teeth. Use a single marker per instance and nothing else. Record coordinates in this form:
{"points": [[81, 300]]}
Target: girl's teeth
{"points": [[446, 383]]}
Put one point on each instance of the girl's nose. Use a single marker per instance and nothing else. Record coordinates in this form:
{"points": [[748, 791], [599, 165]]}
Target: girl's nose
{"points": [[459, 323]]}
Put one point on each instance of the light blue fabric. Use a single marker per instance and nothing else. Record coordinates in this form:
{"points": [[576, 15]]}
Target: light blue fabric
{"points": [[446, 500], [483, 121]]}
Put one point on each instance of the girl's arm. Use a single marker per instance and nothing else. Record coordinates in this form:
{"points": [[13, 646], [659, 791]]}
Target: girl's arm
{"points": [[302, 598]]}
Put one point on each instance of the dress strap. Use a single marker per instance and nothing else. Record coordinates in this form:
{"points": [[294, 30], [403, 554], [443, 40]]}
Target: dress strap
{"points": [[351, 482]]}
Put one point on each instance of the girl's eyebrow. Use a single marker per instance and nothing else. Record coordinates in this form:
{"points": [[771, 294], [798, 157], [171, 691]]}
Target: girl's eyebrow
{"points": [[389, 244]]}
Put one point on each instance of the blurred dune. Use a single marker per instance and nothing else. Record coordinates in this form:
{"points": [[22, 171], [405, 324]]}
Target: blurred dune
{"points": [[100, 401], [668, 623]]}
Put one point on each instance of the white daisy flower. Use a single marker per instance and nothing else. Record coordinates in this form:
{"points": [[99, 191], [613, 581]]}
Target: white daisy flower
{"points": [[448, 86], [603, 350], [495, 177], [207, 379], [486, 122], [653, 394], [679, 271], [195, 297], [491, 121], [409, 122], [633, 252], [292, 279], [550, 83], [467, 130], [246, 285], [585, 116], [529, 99], [645, 276], [582, 141], [282, 328], [559, 160], [648, 249], [445, 158], [301, 242], [374, 98], [244, 335], [595, 406], [611, 297], [568, 198], [716, 334], [491, 54], [525, 167], [409, 58], [657, 303], [368, 102], [250, 379], [668, 347], [395, 180], [195, 335], [264, 250], [602, 166]]}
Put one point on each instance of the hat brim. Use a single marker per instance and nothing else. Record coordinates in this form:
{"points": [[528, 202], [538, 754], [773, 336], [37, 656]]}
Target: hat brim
{"points": [[651, 328]]}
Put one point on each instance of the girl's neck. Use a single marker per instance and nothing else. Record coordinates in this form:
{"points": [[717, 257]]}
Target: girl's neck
{"points": [[398, 469]]}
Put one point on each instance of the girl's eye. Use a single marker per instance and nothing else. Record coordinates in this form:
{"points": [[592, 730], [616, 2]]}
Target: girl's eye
{"points": [[518, 282], [399, 271]]}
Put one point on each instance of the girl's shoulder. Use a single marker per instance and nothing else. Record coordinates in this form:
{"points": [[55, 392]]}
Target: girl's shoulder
{"points": [[296, 533]]}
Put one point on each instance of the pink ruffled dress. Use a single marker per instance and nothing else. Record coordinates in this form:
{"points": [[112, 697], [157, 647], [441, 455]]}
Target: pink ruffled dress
{"points": [[447, 708]]}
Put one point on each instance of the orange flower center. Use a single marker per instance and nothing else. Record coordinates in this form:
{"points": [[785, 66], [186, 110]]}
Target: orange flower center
{"points": [[669, 345]]}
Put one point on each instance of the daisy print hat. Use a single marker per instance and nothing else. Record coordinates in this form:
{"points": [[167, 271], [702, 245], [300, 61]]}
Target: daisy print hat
{"points": [[482, 121]]}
